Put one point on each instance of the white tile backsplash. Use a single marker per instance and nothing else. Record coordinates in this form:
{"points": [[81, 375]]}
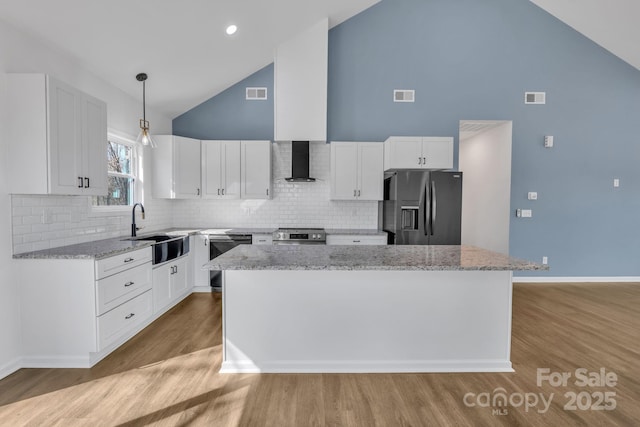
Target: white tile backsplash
{"points": [[70, 219]]}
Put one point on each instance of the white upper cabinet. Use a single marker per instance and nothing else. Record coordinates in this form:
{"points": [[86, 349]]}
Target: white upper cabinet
{"points": [[300, 86], [256, 169], [176, 167], [401, 152], [356, 170], [221, 169], [57, 138]]}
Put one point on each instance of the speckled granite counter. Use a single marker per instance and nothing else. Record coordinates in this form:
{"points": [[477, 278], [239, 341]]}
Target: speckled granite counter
{"points": [[98, 249], [356, 231], [316, 257]]}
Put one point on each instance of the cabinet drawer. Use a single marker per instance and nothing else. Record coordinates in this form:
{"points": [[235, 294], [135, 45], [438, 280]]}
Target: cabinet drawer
{"points": [[123, 319], [356, 240], [120, 287], [116, 264], [262, 239]]}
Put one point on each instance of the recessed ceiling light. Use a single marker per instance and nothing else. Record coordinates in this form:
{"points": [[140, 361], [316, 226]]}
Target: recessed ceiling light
{"points": [[231, 29]]}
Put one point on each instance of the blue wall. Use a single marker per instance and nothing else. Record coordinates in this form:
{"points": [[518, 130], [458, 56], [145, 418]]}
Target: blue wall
{"points": [[474, 60], [229, 116]]}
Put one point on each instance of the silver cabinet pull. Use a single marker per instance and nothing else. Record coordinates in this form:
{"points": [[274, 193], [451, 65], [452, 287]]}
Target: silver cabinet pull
{"points": [[356, 241], [126, 285], [358, 193], [129, 260], [424, 160], [198, 192], [129, 316], [80, 182], [223, 191]]}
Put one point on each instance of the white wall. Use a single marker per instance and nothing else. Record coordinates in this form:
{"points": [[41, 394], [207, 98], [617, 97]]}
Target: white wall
{"points": [[303, 204], [485, 160], [21, 53]]}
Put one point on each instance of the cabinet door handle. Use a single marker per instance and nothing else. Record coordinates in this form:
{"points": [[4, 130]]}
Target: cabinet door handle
{"points": [[80, 182], [223, 191], [354, 193], [126, 285], [424, 160], [358, 193], [176, 267], [86, 183], [129, 260], [129, 316], [356, 241], [267, 191], [218, 191], [198, 192]]}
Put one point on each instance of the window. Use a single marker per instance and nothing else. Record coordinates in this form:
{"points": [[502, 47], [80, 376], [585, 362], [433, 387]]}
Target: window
{"points": [[121, 169]]}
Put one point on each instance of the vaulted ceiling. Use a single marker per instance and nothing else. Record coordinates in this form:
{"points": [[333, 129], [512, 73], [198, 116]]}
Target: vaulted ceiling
{"points": [[182, 46]]}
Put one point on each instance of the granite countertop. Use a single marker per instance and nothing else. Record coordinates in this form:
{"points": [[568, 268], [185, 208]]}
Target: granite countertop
{"points": [[356, 231], [374, 257], [106, 248], [98, 249]]}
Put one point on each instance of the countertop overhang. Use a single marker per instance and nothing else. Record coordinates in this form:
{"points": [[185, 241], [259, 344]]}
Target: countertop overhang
{"points": [[378, 257]]}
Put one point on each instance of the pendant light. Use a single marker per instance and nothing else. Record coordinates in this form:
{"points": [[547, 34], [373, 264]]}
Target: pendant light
{"points": [[144, 137]]}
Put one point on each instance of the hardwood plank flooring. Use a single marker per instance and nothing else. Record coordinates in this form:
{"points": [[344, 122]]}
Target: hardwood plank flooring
{"points": [[168, 375]]}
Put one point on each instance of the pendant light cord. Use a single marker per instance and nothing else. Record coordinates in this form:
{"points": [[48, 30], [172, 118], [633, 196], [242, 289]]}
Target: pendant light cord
{"points": [[144, 102]]}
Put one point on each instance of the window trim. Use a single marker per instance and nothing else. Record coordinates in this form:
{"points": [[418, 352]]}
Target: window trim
{"points": [[119, 138]]}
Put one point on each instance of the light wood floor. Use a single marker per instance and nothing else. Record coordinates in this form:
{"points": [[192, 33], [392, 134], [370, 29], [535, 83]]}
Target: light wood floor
{"points": [[167, 375]]}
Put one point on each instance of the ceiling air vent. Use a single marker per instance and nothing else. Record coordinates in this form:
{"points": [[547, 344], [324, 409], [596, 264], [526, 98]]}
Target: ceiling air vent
{"points": [[256, 93], [535, 97], [404, 95]]}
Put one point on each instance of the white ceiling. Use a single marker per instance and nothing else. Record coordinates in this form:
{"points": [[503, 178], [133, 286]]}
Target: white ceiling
{"points": [[181, 45], [613, 24]]}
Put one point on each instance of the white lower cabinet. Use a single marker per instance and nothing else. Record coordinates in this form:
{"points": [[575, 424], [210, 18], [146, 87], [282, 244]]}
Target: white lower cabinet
{"points": [[124, 318], [350, 239], [169, 284], [74, 312], [262, 239]]}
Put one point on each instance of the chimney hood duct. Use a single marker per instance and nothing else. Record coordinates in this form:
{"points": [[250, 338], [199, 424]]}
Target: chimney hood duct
{"points": [[300, 162]]}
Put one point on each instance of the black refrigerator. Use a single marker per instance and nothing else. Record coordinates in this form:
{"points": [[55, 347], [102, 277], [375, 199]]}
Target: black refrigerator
{"points": [[422, 207]]}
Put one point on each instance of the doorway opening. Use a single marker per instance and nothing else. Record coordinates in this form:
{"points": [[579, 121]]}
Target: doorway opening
{"points": [[485, 161]]}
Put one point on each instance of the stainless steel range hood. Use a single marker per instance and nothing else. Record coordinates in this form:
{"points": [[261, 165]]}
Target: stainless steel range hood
{"points": [[300, 162]]}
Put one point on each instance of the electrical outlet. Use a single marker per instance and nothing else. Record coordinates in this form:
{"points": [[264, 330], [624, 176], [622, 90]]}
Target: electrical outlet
{"points": [[545, 260], [616, 183], [47, 216], [532, 195]]}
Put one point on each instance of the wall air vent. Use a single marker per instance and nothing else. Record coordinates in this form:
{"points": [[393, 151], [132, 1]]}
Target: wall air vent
{"points": [[535, 97], [256, 93], [404, 95]]}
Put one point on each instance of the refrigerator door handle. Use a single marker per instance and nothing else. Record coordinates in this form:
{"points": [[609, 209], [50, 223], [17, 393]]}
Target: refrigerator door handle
{"points": [[427, 211], [434, 205]]}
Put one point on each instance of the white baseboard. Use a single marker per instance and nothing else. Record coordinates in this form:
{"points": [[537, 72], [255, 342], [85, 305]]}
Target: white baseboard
{"points": [[56, 362], [579, 279], [366, 366], [201, 289], [10, 367]]}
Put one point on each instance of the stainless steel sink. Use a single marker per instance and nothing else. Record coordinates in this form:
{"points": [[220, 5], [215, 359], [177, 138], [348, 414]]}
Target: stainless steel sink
{"points": [[166, 247]]}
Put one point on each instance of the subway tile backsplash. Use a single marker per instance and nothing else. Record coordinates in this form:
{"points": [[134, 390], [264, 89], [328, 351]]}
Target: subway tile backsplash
{"points": [[42, 222]]}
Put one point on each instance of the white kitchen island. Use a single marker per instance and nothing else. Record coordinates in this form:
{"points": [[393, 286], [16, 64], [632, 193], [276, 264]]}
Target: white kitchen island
{"points": [[366, 308]]}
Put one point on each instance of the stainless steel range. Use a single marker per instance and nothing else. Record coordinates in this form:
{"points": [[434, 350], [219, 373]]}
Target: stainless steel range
{"points": [[299, 236]]}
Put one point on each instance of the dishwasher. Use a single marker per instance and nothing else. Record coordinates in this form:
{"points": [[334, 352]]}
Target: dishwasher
{"points": [[219, 244]]}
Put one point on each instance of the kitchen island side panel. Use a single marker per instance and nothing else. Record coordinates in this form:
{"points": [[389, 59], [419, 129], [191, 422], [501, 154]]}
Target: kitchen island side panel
{"points": [[366, 321]]}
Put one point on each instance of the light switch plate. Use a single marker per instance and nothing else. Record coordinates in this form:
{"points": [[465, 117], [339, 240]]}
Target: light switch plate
{"points": [[526, 213], [532, 195]]}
